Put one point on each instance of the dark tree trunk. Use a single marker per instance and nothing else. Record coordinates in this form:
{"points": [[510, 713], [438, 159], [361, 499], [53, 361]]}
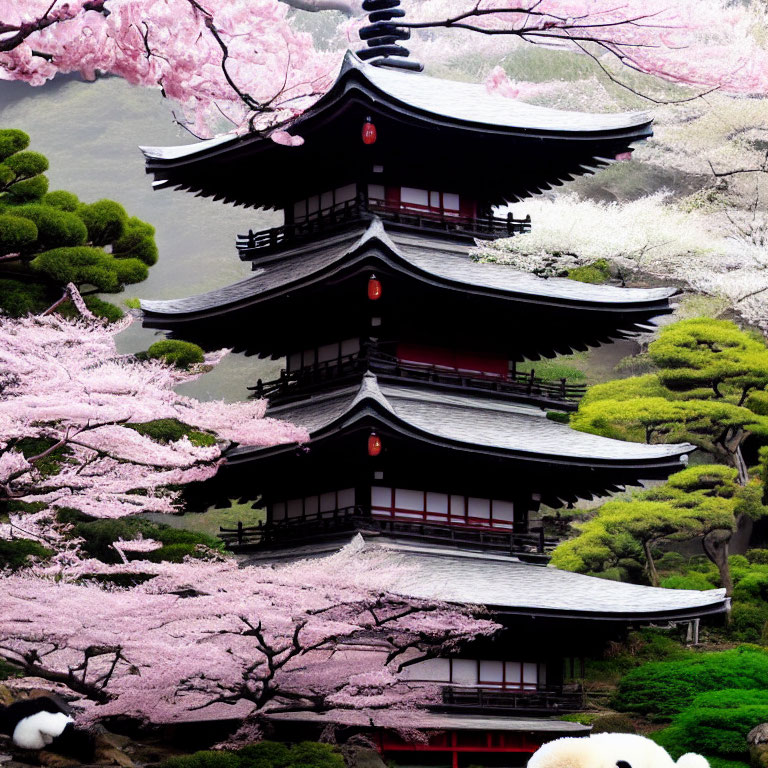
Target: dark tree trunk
{"points": [[653, 574], [731, 445], [715, 545]]}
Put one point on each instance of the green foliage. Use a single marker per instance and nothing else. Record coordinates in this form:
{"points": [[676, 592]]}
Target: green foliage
{"points": [[709, 390], [21, 298], [137, 241], [692, 580], [758, 556], [597, 272], [264, 754], [205, 759], [716, 723], [50, 464], [691, 503], [171, 430], [16, 234], [15, 553], [12, 141], [663, 689], [63, 200], [559, 416], [27, 190], [54, 227], [63, 239], [25, 165], [99, 536], [182, 354], [105, 220], [91, 266]]}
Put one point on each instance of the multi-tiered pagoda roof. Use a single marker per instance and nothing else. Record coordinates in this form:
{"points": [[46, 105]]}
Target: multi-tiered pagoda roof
{"points": [[492, 147], [408, 362]]}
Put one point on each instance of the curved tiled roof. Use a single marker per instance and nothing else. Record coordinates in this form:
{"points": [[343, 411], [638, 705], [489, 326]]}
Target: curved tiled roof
{"points": [[463, 419], [434, 260]]}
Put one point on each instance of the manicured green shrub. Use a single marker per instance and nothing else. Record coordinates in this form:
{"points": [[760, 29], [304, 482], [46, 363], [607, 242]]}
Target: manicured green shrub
{"points": [[105, 220], [27, 190], [692, 580], [12, 141], [309, 754], [137, 241], [17, 234], [19, 298], [63, 200], [265, 754], [748, 621], [182, 354], [15, 553], [55, 228], [666, 688], [130, 271], [716, 723], [27, 164], [597, 272], [758, 556], [205, 759], [79, 265]]}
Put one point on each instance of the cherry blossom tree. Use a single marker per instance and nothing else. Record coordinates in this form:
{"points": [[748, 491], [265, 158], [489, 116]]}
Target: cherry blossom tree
{"points": [[73, 416], [215, 639], [243, 63]]}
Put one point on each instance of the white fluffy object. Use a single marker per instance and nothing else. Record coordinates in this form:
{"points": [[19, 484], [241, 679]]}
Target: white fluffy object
{"points": [[605, 750], [39, 730]]}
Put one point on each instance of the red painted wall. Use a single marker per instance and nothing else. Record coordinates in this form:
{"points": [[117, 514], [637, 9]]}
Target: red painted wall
{"points": [[455, 359]]}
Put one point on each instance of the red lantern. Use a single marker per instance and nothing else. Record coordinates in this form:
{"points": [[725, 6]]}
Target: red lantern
{"points": [[369, 132], [374, 444], [374, 288]]}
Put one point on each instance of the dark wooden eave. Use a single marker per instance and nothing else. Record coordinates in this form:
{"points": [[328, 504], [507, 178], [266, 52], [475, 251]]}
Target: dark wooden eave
{"points": [[511, 443], [320, 290], [509, 149]]}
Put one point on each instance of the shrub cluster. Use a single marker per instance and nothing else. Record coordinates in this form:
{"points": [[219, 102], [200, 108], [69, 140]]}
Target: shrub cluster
{"points": [[99, 535], [264, 754], [61, 240]]}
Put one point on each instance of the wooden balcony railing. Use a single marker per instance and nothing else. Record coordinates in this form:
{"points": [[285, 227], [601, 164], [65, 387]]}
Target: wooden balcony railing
{"points": [[327, 220], [525, 387], [544, 700], [280, 533]]}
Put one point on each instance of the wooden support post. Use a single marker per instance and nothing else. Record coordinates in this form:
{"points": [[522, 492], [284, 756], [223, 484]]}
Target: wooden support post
{"points": [[239, 532]]}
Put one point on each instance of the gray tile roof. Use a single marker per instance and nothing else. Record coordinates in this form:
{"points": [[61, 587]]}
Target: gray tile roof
{"points": [[508, 585], [450, 99], [474, 421], [433, 259], [397, 720], [472, 103], [503, 582]]}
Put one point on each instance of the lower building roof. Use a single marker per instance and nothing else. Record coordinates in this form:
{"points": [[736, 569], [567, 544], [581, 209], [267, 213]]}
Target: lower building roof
{"points": [[426, 721], [509, 586], [471, 421]]}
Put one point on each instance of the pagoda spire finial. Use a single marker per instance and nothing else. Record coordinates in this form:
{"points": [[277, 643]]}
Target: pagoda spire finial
{"points": [[383, 37]]}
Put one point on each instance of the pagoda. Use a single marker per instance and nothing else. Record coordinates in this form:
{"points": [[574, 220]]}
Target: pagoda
{"points": [[401, 360]]}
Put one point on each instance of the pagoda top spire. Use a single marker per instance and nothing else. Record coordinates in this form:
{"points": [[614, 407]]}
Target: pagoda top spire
{"points": [[383, 36]]}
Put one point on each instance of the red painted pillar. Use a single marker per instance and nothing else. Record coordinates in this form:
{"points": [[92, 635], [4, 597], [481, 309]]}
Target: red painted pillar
{"points": [[454, 752]]}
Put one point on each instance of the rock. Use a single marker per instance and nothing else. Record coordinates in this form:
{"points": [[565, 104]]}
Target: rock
{"points": [[759, 734], [362, 757], [112, 756], [52, 760], [6, 696], [758, 755]]}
